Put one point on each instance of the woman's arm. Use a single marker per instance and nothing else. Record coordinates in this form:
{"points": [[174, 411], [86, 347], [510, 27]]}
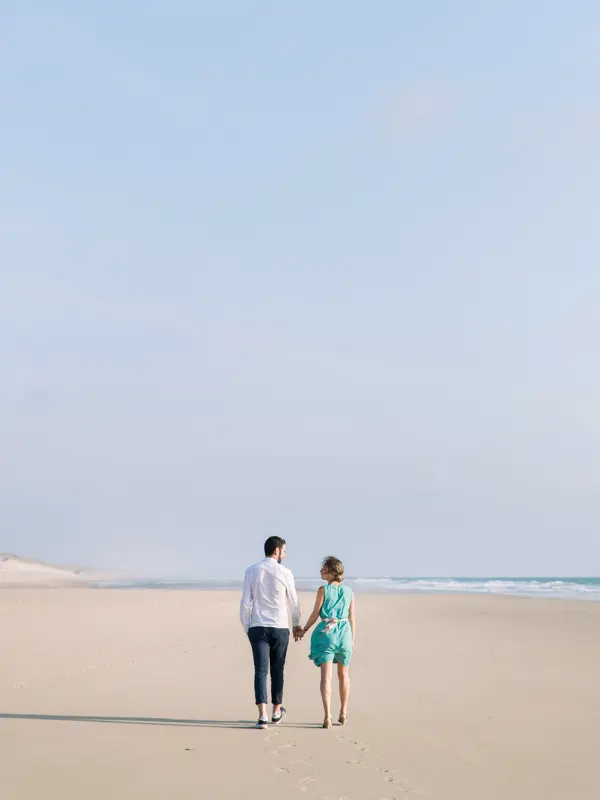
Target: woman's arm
{"points": [[316, 610], [352, 618]]}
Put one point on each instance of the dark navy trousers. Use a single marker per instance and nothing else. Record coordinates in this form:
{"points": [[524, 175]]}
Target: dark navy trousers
{"points": [[269, 649]]}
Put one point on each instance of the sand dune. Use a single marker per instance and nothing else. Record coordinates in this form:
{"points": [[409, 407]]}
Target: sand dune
{"points": [[15, 570]]}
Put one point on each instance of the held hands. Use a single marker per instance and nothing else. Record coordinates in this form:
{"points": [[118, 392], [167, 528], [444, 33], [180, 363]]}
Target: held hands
{"points": [[298, 633]]}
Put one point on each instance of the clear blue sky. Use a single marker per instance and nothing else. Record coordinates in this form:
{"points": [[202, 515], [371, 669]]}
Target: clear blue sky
{"points": [[329, 270]]}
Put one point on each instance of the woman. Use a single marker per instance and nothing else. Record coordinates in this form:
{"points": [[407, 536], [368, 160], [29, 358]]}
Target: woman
{"points": [[332, 641]]}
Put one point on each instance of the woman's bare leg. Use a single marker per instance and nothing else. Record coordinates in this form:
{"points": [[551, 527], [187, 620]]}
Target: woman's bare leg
{"points": [[344, 680], [326, 673]]}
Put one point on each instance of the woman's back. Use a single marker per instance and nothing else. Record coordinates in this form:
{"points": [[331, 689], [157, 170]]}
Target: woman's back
{"points": [[332, 641], [336, 602]]}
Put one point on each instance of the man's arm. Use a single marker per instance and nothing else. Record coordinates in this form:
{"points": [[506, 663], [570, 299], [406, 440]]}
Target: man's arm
{"points": [[292, 599], [246, 603]]}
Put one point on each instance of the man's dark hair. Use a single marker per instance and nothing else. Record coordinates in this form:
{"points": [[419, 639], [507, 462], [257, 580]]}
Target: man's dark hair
{"points": [[272, 543]]}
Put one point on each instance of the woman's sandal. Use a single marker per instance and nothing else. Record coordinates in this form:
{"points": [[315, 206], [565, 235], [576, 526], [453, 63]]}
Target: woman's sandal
{"points": [[327, 722], [342, 718]]}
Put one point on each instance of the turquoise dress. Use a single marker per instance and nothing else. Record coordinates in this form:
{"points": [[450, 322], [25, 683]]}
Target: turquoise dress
{"points": [[333, 641]]}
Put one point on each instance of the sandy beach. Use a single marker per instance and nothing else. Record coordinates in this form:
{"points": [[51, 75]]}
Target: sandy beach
{"points": [[135, 694]]}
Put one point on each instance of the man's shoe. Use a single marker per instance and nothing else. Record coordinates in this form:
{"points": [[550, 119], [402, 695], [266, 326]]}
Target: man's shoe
{"points": [[276, 720], [262, 723]]}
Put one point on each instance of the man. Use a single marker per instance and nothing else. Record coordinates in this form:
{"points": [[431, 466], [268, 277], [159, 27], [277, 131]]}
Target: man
{"points": [[268, 592]]}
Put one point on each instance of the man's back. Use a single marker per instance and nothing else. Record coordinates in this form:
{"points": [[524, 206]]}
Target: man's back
{"points": [[268, 590]]}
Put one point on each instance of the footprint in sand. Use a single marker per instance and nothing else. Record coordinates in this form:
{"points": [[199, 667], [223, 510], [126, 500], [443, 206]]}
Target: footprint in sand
{"points": [[387, 775], [279, 751], [305, 783]]}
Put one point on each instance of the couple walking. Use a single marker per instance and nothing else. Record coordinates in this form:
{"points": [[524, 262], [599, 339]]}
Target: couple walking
{"points": [[269, 591]]}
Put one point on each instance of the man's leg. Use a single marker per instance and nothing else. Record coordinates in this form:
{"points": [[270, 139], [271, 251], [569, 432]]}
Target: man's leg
{"points": [[260, 653], [279, 640]]}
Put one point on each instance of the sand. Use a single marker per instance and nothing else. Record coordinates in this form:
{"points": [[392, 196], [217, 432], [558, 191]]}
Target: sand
{"points": [[148, 694]]}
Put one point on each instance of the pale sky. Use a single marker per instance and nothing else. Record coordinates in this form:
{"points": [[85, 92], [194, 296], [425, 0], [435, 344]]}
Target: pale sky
{"points": [[326, 270]]}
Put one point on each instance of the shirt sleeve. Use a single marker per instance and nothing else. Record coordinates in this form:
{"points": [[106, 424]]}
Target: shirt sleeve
{"points": [[246, 602], [292, 598]]}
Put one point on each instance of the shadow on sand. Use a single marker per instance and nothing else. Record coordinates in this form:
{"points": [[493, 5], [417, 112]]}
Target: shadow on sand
{"points": [[238, 724]]}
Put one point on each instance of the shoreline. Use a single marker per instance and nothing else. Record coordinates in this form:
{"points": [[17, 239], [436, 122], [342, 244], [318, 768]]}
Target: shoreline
{"points": [[222, 587]]}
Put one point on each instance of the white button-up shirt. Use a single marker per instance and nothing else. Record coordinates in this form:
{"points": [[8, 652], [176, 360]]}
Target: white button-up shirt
{"points": [[268, 592]]}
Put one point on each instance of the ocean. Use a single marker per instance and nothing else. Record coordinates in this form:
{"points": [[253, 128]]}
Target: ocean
{"points": [[565, 587]]}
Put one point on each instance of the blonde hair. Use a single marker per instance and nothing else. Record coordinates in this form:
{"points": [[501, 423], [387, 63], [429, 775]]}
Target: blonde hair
{"points": [[334, 567]]}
